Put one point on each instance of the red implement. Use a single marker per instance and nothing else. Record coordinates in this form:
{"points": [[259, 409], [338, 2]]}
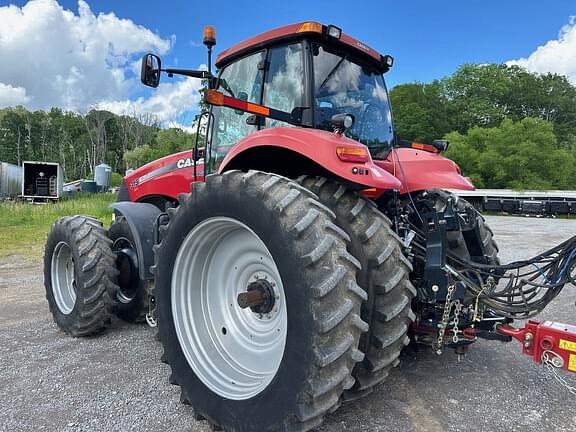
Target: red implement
{"points": [[550, 341]]}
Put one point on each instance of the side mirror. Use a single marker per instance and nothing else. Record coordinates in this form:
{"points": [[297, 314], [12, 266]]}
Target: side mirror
{"points": [[440, 145], [150, 71], [342, 122]]}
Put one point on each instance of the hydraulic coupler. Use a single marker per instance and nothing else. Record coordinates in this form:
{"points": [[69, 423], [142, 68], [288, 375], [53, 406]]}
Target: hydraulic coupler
{"points": [[546, 342]]}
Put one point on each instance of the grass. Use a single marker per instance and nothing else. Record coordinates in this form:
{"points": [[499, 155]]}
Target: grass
{"points": [[24, 226]]}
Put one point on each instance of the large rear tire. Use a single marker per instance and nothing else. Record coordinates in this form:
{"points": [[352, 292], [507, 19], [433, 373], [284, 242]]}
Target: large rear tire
{"points": [[384, 276], [79, 275], [279, 369]]}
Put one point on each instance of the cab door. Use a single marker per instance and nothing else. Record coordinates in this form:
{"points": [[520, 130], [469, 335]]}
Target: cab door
{"points": [[242, 79]]}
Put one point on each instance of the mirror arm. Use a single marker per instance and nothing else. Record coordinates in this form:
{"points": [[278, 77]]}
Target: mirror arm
{"points": [[189, 72]]}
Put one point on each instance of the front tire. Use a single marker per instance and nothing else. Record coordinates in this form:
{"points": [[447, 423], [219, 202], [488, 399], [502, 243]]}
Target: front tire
{"points": [[79, 274], [236, 226]]}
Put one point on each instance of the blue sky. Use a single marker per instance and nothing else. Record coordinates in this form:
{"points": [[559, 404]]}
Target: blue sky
{"points": [[429, 39]]}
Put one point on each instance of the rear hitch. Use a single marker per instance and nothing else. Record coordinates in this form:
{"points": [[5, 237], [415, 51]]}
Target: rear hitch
{"points": [[436, 224], [546, 342]]}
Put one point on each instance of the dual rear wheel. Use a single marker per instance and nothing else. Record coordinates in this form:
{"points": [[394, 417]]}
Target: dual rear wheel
{"points": [[91, 274], [80, 275]]}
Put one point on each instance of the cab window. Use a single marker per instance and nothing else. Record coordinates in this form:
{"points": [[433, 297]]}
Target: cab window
{"points": [[242, 80], [284, 86], [344, 85]]}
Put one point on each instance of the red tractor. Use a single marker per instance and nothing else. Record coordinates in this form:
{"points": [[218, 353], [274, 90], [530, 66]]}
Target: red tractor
{"points": [[289, 265]]}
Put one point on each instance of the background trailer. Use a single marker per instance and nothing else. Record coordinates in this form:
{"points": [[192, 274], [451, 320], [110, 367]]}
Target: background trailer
{"points": [[42, 180]]}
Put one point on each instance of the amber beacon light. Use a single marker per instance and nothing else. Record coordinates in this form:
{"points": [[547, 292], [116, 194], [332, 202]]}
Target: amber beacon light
{"points": [[209, 36]]}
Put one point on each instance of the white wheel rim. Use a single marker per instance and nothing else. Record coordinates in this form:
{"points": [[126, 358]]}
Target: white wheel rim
{"points": [[63, 278], [235, 352]]}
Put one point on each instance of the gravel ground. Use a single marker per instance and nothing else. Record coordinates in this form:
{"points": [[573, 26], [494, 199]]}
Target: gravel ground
{"points": [[51, 382]]}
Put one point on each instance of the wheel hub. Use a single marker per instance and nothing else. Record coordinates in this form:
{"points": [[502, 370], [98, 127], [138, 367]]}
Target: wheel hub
{"points": [[63, 277], [260, 297], [229, 308], [127, 264]]}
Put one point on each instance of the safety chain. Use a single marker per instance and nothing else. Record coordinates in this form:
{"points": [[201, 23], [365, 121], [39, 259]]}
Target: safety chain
{"points": [[552, 362], [455, 330], [445, 318], [488, 287]]}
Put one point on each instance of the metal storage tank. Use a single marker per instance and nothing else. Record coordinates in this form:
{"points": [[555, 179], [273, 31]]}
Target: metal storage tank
{"points": [[10, 180], [88, 186], [102, 176]]}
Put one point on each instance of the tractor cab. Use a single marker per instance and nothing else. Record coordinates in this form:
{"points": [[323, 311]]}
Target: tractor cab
{"points": [[312, 73], [302, 75]]}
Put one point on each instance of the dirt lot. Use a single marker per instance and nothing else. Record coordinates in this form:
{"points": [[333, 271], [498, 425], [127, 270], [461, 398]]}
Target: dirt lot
{"points": [[51, 382]]}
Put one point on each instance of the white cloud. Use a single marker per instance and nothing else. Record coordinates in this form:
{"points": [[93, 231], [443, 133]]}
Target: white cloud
{"points": [[53, 57], [11, 96], [168, 102], [556, 56]]}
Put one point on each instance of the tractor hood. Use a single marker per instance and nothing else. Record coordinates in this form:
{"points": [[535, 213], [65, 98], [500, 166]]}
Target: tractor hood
{"points": [[420, 170]]}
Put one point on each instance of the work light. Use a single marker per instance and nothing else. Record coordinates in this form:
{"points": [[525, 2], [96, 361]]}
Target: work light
{"points": [[334, 31]]}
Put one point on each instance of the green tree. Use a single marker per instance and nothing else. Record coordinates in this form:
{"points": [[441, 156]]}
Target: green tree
{"points": [[76, 141], [420, 111], [477, 95], [167, 141], [484, 95], [517, 155]]}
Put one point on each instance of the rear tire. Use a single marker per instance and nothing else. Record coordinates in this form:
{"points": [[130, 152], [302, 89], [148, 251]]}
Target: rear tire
{"points": [[384, 276], [322, 301], [132, 301], [79, 274]]}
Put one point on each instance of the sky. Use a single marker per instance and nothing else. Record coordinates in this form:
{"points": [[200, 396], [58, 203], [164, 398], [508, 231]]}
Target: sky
{"points": [[81, 55]]}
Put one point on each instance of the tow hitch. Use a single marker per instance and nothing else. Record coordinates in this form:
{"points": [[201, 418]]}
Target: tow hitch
{"points": [[546, 342], [463, 299]]}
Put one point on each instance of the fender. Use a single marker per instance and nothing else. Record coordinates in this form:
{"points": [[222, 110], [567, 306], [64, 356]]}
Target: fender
{"points": [[419, 170], [141, 218], [320, 147]]}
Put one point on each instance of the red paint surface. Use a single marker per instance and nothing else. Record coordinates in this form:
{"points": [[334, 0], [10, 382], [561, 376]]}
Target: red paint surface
{"points": [[537, 338], [168, 184], [319, 146], [285, 31], [419, 170]]}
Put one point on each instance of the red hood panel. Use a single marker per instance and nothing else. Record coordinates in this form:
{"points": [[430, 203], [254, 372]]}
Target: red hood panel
{"points": [[167, 176], [420, 170]]}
